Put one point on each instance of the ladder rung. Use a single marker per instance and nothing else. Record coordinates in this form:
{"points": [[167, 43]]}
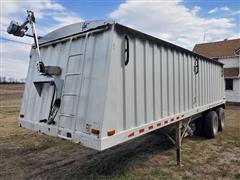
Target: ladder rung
{"points": [[73, 74], [69, 94], [67, 115], [76, 54]]}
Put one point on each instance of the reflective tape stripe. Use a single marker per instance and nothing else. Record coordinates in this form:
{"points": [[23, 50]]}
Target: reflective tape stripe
{"points": [[131, 134], [150, 127]]}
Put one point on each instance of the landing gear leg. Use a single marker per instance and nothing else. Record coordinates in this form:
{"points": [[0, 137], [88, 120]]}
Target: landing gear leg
{"points": [[178, 138], [182, 129]]}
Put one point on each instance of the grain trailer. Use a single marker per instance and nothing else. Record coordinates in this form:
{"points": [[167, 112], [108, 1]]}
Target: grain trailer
{"points": [[112, 83]]}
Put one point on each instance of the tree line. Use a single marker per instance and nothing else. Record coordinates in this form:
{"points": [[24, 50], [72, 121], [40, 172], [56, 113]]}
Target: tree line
{"points": [[11, 80]]}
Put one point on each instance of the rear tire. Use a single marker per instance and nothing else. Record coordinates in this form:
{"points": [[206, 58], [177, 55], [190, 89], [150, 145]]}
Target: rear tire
{"points": [[198, 127], [221, 118], [211, 124]]}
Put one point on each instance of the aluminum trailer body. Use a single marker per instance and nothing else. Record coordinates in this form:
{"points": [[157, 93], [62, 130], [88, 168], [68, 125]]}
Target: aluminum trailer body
{"points": [[116, 84]]}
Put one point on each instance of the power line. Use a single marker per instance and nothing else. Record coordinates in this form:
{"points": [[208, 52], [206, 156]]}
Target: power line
{"points": [[20, 42], [6, 39]]}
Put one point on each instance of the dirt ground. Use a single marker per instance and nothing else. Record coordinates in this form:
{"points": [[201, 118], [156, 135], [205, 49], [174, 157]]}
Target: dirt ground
{"points": [[28, 155]]}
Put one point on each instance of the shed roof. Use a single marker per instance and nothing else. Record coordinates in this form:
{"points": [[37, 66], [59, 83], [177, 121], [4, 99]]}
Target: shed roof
{"points": [[220, 49], [231, 72]]}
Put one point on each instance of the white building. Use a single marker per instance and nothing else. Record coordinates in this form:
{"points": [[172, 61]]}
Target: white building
{"points": [[227, 52]]}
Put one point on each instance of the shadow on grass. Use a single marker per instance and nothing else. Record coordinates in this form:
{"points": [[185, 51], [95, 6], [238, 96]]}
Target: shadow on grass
{"points": [[118, 159], [110, 163]]}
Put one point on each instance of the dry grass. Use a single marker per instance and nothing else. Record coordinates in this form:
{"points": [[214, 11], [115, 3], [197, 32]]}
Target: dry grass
{"points": [[28, 155], [11, 94]]}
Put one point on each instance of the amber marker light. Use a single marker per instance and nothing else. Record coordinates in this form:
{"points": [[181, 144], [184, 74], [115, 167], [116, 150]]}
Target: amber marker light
{"points": [[111, 132], [95, 131]]}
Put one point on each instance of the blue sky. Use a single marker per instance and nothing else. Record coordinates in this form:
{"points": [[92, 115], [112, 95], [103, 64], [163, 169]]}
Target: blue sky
{"points": [[182, 22], [92, 9]]}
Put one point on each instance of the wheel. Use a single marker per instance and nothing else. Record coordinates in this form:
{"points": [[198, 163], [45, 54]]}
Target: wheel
{"points": [[211, 124], [198, 127], [221, 118]]}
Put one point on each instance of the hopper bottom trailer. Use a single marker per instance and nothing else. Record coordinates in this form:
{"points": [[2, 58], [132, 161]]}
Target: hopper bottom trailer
{"points": [[106, 84]]}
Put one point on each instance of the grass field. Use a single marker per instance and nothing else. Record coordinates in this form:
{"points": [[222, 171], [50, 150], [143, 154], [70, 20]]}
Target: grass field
{"points": [[28, 155]]}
